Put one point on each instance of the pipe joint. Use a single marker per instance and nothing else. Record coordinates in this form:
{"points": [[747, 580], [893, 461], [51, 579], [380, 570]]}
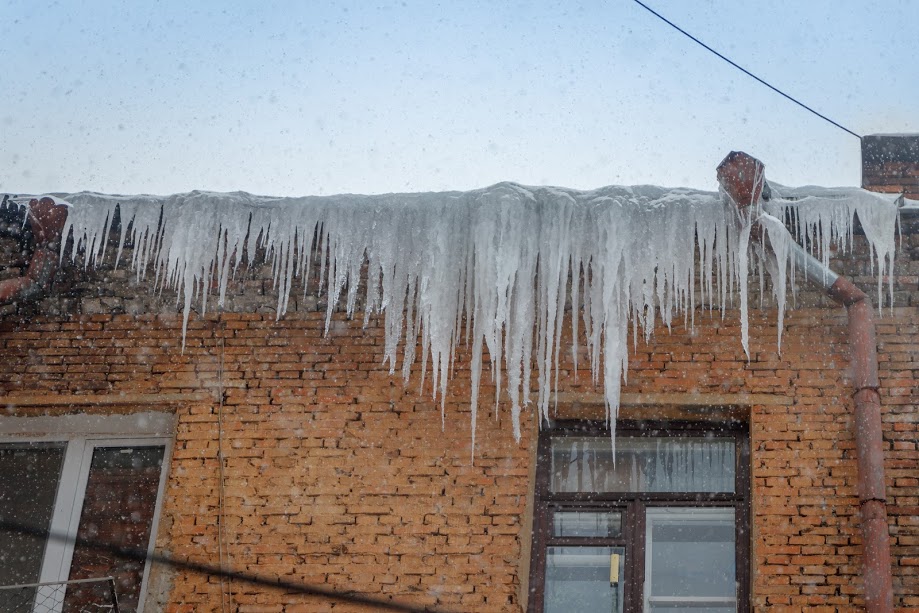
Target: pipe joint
{"points": [[846, 293]]}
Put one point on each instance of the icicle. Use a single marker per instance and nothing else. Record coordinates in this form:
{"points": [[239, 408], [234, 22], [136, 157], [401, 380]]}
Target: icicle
{"points": [[504, 258], [825, 217]]}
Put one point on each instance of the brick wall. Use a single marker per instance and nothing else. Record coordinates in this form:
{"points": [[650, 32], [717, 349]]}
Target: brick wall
{"points": [[338, 474], [890, 163]]}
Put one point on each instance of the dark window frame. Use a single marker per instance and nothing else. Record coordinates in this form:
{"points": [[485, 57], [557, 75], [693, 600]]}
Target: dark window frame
{"points": [[633, 505]]}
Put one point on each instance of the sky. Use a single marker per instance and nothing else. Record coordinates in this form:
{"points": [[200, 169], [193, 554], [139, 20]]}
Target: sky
{"points": [[300, 98]]}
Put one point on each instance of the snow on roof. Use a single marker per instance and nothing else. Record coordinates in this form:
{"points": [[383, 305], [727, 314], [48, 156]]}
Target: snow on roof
{"points": [[494, 266]]}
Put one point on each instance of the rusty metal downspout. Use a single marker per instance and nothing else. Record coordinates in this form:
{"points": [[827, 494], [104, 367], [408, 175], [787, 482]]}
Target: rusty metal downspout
{"points": [[742, 177], [869, 439]]}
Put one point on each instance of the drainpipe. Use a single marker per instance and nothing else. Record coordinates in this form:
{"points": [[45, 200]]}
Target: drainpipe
{"points": [[742, 177], [47, 219]]}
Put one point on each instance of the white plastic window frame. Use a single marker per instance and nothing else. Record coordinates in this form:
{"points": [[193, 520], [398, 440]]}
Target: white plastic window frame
{"points": [[83, 434]]}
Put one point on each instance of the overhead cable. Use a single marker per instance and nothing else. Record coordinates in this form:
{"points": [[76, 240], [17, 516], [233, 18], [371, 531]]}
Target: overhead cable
{"points": [[141, 555], [742, 69]]}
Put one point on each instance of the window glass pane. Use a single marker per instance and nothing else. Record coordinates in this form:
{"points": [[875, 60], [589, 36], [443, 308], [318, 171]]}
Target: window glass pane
{"points": [[118, 509], [690, 555], [586, 524], [579, 579], [29, 476], [665, 464]]}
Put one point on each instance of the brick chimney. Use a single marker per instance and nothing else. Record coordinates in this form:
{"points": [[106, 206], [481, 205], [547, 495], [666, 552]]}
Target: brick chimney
{"points": [[890, 163]]}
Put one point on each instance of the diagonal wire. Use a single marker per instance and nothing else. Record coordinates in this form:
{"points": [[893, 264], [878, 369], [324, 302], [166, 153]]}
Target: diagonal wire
{"points": [[141, 555], [741, 68]]}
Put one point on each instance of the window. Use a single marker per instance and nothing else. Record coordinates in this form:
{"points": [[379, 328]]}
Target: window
{"points": [[661, 527], [87, 478]]}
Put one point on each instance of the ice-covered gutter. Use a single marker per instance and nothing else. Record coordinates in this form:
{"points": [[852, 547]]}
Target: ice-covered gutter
{"points": [[494, 268]]}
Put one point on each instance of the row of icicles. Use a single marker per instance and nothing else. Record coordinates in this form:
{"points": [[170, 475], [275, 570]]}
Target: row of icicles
{"points": [[494, 268]]}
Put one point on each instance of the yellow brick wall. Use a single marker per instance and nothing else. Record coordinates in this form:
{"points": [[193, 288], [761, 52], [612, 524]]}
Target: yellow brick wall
{"points": [[339, 475]]}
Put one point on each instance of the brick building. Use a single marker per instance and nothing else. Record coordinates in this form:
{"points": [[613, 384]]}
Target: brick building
{"points": [[271, 448]]}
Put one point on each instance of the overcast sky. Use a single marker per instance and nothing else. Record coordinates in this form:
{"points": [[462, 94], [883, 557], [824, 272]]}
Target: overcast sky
{"points": [[298, 98]]}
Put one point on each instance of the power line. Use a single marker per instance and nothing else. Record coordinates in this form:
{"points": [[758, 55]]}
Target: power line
{"points": [[141, 555], [741, 68]]}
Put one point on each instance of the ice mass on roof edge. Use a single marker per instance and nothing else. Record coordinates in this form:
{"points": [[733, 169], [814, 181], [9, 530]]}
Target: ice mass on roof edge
{"points": [[493, 266]]}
